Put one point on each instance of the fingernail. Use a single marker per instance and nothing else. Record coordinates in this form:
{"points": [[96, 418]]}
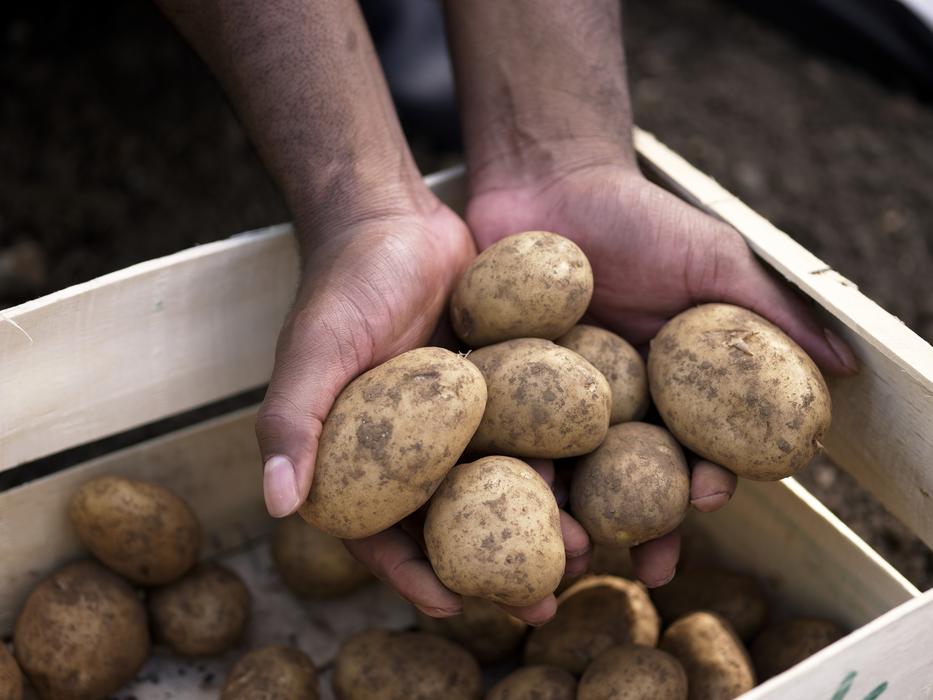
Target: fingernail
{"points": [[842, 351], [711, 502], [439, 612], [663, 582], [280, 486]]}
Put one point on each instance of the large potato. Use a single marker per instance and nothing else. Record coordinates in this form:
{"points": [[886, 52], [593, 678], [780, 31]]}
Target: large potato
{"points": [[544, 401], [592, 615], [619, 363], [82, 634], [385, 665], [203, 613], [493, 531], [273, 672], [312, 563], [736, 390], [529, 285], [632, 488], [140, 530], [11, 678], [389, 440], [788, 643], [717, 664], [535, 683], [633, 672], [484, 629]]}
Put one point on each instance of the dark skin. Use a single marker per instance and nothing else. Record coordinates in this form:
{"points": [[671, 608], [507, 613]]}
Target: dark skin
{"points": [[547, 126]]}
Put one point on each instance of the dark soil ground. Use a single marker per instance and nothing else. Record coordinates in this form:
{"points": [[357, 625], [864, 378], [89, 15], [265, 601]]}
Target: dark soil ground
{"points": [[116, 146]]}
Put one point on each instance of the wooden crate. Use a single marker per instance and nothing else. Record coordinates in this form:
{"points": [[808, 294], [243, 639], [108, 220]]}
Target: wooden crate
{"points": [[189, 329]]}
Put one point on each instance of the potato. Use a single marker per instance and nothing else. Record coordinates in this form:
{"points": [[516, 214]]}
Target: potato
{"points": [[738, 598], [312, 563], [633, 672], [632, 488], [493, 531], [535, 683], [619, 363], [544, 401], [11, 678], [386, 665], [736, 390], [484, 629], [391, 437], [717, 664], [140, 530], [274, 672], [788, 643], [528, 285], [82, 634], [592, 615], [203, 613]]}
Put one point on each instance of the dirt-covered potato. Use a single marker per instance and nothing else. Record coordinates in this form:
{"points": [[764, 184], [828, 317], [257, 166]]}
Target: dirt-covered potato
{"points": [[205, 612], [389, 440], [528, 285], [619, 363], [81, 634], [633, 672], [594, 614], [716, 661], [484, 629], [535, 683], [544, 401], [312, 563], [788, 643], [738, 598], [274, 672], [493, 531], [386, 665], [11, 678], [736, 390], [138, 529], [633, 488]]}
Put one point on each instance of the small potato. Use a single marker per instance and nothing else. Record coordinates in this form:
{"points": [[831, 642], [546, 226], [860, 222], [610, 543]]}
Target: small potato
{"points": [[535, 683], [736, 390], [632, 488], [544, 401], [738, 598], [592, 615], [389, 440], [140, 530], [717, 664], [82, 634], [619, 363], [786, 644], [528, 285], [493, 531], [203, 613], [273, 672], [633, 672], [385, 665], [484, 629], [11, 678]]}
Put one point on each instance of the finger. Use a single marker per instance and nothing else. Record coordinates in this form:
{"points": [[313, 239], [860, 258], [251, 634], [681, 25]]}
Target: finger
{"points": [[544, 467], [655, 561], [711, 486], [576, 545], [395, 558], [536, 614]]}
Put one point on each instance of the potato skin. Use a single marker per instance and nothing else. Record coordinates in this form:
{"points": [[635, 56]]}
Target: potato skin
{"points": [[594, 614], [633, 672], [140, 530], [619, 363], [529, 285], [633, 488], [389, 440], [82, 634], [544, 401], [312, 563], [736, 390], [717, 664], [788, 643], [274, 672], [535, 683], [11, 678], [484, 629], [385, 665], [203, 613], [493, 531]]}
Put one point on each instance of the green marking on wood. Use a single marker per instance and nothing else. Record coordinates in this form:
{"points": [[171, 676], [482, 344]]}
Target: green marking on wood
{"points": [[877, 691], [845, 686]]}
